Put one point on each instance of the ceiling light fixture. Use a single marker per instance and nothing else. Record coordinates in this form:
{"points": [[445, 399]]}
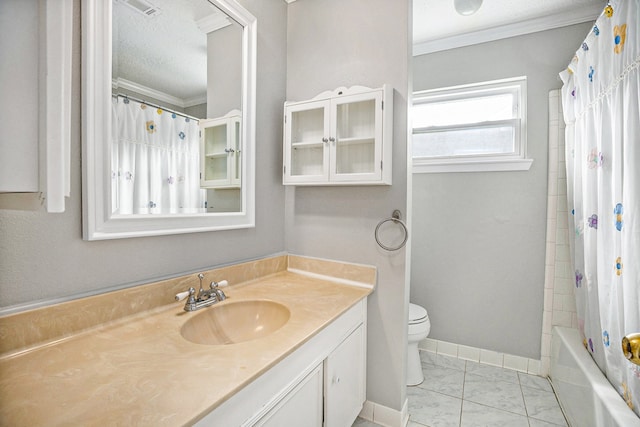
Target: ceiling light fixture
{"points": [[467, 7]]}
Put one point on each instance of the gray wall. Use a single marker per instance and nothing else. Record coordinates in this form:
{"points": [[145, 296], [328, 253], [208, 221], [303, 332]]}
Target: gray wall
{"points": [[43, 256], [224, 70], [334, 43], [479, 238], [224, 93]]}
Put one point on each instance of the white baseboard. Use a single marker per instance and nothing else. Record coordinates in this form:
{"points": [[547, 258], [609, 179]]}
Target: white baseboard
{"points": [[385, 416], [487, 357]]}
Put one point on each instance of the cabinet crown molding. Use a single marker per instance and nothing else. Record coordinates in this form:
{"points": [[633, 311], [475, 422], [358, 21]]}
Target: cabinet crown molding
{"points": [[340, 91]]}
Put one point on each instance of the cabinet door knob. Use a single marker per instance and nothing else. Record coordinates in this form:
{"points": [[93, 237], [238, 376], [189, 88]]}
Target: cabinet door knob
{"points": [[332, 139], [325, 140]]}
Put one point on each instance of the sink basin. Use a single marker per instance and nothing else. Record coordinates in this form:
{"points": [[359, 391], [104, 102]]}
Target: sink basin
{"points": [[234, 322]]}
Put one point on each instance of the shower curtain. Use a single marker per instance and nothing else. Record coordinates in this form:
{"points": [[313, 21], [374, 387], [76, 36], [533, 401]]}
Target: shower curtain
{"points": [[600, 100], [155, 161]]}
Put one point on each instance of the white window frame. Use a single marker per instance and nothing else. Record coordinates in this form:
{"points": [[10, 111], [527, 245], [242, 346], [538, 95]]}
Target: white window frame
{"points": [[515, 161]]}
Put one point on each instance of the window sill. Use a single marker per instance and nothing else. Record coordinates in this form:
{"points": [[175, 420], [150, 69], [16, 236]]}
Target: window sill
{"points": [[475, 165]]}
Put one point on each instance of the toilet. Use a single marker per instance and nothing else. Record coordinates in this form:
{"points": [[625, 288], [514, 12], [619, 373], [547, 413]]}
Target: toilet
{"points": [[419, 327]]}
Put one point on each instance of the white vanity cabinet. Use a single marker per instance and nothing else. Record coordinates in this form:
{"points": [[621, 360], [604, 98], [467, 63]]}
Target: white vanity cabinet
{"points": [[220, 152], [321, 384], [344, 381], [334, 391], [302, 406], [342, 137]]}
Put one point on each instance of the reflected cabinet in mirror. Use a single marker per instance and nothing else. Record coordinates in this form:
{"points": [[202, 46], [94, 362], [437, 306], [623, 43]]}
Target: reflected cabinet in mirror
{"points": [[168, 117]]}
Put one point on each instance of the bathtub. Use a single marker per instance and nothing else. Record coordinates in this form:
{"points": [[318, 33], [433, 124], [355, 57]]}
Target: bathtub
{"points": [[585, 395]]}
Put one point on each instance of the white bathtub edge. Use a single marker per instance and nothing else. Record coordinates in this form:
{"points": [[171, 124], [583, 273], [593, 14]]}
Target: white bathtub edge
{"points": [[585, 395]]}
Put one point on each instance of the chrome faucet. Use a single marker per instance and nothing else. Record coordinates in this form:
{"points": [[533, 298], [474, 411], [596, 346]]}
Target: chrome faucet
{"points": [[205, 298]]}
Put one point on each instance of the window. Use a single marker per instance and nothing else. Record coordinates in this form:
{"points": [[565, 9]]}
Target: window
{"points": [[479, 127]]}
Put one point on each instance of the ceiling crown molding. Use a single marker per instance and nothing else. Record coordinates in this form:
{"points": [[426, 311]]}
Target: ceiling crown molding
{"points": [[557, 20], [156, 94], [213, 22]]}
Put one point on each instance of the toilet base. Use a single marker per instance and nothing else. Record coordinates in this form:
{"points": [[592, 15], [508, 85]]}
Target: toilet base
{"points": [[414, 366]]}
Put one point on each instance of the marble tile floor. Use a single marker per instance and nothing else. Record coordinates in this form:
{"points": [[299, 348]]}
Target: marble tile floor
{"points": [[459, 393]]}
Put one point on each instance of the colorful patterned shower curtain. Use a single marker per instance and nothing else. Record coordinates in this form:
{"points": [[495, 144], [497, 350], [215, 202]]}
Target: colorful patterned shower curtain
{"points": [[155, 161], [600, 102]]}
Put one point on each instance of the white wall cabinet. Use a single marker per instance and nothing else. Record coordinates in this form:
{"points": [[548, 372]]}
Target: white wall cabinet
{"points": [[220, 152], [342, 137], [35, 107], [322, 384]]}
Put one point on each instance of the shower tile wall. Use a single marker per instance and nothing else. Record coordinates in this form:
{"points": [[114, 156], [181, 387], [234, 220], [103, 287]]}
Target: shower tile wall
{"points": [[559, 302]]}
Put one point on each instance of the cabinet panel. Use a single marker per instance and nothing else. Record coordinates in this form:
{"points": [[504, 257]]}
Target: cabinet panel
{"points": [[301, 407], [344, 380]]}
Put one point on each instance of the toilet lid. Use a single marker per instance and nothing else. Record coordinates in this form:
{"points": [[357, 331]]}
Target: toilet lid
{"points": [[417, 314]]}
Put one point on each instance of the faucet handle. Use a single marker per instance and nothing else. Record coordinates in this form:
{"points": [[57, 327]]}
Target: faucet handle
{"points": [[182, 295], [221, 283]]}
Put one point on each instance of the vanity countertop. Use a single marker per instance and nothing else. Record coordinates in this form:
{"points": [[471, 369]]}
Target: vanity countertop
{"points": [[141, 371]]}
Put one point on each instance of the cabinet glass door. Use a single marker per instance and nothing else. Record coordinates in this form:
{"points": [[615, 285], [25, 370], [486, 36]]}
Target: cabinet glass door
{"points": [[215, 153], [308, 155], [220, 152], [236, 155], [357, 152]]}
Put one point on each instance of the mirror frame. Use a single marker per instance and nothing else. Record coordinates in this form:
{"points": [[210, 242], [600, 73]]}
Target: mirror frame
{"points": [[98, 221]]}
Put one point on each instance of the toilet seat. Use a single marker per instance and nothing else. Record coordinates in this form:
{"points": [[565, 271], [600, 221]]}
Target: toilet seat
{"points": [[417, 314]]}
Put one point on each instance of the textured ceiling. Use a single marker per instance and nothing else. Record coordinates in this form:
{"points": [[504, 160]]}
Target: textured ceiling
{"points": [[437, 19], [166, 52]]}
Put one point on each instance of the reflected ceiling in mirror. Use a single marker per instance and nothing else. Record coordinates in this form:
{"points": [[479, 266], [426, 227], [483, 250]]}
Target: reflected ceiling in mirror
{"points": [[172, 63], [159, 47]]}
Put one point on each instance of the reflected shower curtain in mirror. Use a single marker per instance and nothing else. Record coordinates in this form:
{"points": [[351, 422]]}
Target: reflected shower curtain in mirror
{"points": [[600, 102], [155, 161]]}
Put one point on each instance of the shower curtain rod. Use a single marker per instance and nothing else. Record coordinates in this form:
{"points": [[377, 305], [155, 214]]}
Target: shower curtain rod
{"points": [[151, 104]]}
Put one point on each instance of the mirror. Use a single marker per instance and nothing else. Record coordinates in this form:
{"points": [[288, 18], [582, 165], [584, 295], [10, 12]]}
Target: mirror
{"points": [[146, 171]]}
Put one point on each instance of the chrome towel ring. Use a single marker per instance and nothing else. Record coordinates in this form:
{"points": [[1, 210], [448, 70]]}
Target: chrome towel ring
{"points": [[395, 218]]}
